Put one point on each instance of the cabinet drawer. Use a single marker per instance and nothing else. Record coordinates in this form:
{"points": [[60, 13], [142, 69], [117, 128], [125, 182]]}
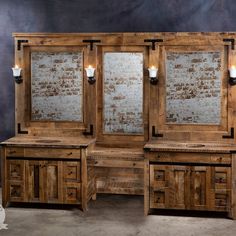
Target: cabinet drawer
{"points": [[16, 191], [207, 158], [15, 170], [71, 171], [14, 152], [72, 193], [52, 153], [221, 158]]}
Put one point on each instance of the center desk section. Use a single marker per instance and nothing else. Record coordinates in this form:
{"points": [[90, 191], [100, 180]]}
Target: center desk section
{"points": [[191, 176], [47, 170]]}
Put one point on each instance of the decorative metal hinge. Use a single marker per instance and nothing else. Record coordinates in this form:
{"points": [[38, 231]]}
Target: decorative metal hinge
{"points": [[231, 134], [232, 41], [19, 42], [19, 131], [91, 41], [153, 41], [90, 132], [154, 133]]}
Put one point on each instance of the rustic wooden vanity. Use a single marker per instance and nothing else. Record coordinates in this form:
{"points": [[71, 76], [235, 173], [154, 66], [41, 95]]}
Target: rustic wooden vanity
{"points": [[124, 130], [191, 176], [47, 170]]}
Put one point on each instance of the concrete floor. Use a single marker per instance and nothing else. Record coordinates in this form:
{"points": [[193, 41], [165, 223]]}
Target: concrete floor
{"points": [[112, 215]]}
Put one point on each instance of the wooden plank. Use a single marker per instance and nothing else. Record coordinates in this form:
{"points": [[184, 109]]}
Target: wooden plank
{"points": [[84, 177], [232, 212], [146, 187]]}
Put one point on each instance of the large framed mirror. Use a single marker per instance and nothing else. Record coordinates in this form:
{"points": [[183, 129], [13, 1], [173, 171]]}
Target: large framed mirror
{"points": [[57, 84]]}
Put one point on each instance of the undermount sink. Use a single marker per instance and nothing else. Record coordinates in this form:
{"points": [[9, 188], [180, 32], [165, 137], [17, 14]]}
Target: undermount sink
{"points": [[47, 141], [192, 145], [185, 145]]}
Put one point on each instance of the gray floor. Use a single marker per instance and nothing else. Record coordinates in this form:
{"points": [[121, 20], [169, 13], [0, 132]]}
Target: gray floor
{"points": [[112, 215]]}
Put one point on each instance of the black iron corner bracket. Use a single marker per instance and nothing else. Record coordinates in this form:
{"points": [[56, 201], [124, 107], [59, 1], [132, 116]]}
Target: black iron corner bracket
{"points": [[90, 132], [19, 131], [231, 136], [154, 133], [19, 42], [232, 41], [153, 41], [91, 42]]}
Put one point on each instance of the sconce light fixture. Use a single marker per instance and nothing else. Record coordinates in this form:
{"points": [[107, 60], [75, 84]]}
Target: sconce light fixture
{"points": [[17, 74], [232, 75], [90, 74], [153, 75]]}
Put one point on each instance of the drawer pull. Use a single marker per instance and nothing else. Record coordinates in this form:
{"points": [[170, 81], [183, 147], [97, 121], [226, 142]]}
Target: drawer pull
{"points": [[70, 153], [70, 173], [134, 164], [70, 194], [12, 152]]}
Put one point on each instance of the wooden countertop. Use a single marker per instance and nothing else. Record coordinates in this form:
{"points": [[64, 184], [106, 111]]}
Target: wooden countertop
{"points": [[173, 146], [54, 142]]}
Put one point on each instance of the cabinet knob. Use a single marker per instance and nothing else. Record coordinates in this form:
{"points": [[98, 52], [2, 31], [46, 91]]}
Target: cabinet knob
{"points": [[70, 173], [70, 153]]}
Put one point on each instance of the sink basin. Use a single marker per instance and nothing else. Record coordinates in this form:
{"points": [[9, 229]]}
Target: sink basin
{"points": [[47, 141], [184, 145], [195, 145]]}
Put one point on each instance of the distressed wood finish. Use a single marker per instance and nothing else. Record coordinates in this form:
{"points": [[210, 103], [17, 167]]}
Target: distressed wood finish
{"points": [[187, 165], [118, 170], [46, 170], [189, 176]]}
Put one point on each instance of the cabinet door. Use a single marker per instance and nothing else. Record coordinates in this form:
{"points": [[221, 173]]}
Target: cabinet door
{"points": [[15, 179], [221, 188], [53, 181], [200, 187], [169, 186], [34, 179]]}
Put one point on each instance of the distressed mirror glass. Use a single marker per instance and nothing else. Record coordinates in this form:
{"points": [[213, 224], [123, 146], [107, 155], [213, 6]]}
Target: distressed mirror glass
{"points": [[193, 87], [57, 86], [123, 92]]}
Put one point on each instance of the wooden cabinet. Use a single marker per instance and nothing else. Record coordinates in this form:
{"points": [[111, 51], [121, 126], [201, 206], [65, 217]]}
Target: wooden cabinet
{"points": [[44, 181], [37, 174], [190, 187], [193, 184]]}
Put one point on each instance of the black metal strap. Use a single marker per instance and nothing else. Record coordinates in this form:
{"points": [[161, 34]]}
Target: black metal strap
{"points": [[154, 133], [153, 41], [91, 42], [231, 136], [232, 41], [90, 132], [19, 42], [19, 131]]}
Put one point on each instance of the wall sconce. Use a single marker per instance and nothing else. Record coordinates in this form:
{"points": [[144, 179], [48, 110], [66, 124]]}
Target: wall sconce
{"points": [[153, 75], [17, 74], [90, 74], [232, 75]]}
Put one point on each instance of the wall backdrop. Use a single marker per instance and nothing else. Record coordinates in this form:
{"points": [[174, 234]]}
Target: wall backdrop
{"points": [[99, 16]]}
